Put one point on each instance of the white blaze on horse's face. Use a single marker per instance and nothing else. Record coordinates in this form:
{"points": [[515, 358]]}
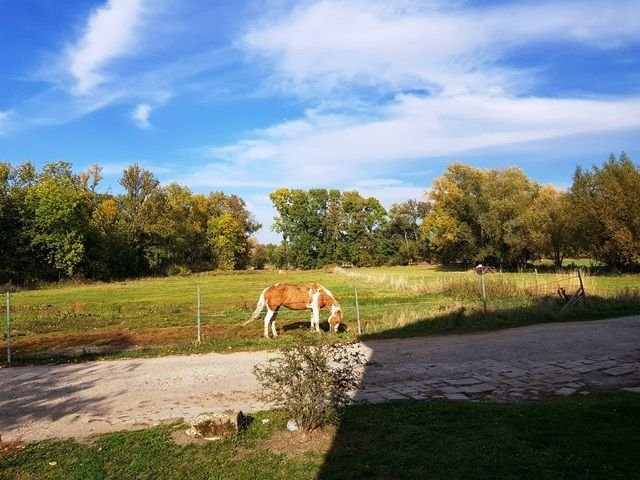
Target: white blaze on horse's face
{"points": [[336, 318]]}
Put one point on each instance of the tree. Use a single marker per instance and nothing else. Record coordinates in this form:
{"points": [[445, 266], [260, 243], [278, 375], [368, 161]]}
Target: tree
{"points": [[142, 205], [452, 230], [552, 226], [221, 204], [227, 239], [404, 230], [479, 216], [59, 213], [300, 221], [605, 202], [364, 223]]}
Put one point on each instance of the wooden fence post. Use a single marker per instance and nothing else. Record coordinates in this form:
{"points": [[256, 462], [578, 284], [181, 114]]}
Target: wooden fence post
{"points": [[198, 315], [355, 291], [484, 293], [584, 295], [8, 328]]}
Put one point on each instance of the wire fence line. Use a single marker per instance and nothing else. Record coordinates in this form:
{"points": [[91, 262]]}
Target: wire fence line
{"points": [[208, 309]]}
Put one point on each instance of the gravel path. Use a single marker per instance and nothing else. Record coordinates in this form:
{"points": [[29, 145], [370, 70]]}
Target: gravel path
{"points": [[524, 363]]}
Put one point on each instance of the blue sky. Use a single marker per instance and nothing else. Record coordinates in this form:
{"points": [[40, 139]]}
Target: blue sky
{"points": [[371, 95]]}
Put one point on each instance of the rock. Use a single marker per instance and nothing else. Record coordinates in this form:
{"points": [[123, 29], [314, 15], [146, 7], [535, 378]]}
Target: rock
{"points": [[292, 426], [212, 426]]}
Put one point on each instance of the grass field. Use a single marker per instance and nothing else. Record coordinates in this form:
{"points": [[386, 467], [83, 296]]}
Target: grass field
{"points": [[158, 316], [589, 438]]}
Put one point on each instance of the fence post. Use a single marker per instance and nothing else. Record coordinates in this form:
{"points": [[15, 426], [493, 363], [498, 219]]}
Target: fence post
{"points": [[484, 293], [355, 291], [198, 315], [584, 295], [8, 328]]}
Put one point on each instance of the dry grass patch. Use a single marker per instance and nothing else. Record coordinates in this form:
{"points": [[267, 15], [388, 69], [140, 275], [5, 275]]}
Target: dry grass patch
{"points": [[296, 444]]}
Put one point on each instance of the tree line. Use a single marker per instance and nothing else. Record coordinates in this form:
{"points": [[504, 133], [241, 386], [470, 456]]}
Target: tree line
{"points": [[54, 224], [492, 216]]}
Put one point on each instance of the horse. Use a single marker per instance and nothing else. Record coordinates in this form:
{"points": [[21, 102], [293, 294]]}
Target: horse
{"points": [[312, 296]]}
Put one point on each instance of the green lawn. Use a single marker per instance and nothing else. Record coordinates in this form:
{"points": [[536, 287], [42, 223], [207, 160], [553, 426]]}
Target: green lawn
{"points": [[594, 438], [158, 315]]}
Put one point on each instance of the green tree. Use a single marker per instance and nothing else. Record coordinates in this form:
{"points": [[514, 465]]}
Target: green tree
{"points": [[60, 214], [552, 225], [364, 223], [404, 230], [452, 230], [300, 221], [222, 204], [227, 238], [480, 215], [142, 205], [605, 201]]}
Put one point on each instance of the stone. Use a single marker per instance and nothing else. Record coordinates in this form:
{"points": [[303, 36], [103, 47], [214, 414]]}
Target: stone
{"points": [[621, 370], [566, 391], [462, 381], [212, 426]]}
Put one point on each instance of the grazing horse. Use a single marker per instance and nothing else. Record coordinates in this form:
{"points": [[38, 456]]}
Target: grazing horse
{"points": [[311, 296]]}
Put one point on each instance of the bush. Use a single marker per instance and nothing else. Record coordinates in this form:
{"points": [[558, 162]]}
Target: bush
{"points": [[311, 382]]}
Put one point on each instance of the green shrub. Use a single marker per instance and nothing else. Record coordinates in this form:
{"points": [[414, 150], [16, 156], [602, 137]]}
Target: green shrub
{"points": [[311, 382]]}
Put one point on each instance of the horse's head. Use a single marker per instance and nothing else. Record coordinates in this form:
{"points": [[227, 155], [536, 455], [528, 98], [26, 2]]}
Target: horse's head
{"points": [[336, 318]]}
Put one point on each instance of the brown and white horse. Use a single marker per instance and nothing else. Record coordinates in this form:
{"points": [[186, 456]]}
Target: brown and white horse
{"points": [[311, 296]]}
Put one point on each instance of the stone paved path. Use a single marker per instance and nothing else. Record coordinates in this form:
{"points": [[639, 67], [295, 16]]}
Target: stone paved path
{"points": [[525, 363], [493, 380]]}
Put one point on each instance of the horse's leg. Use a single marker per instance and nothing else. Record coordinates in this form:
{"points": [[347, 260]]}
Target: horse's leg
{"points": [[316, 318], [267, 320], [273, 324], [315, 311]]}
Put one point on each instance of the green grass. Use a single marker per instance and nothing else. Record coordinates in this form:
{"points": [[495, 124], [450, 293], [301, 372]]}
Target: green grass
{"points": [[157, 316], [594, 437]]}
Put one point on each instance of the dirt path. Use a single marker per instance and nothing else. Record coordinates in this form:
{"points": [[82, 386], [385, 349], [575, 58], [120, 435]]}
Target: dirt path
{"points": [[524, 363]]}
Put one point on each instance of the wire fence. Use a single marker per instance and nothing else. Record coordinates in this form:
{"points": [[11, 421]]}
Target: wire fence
{"points": [[370, 303]]}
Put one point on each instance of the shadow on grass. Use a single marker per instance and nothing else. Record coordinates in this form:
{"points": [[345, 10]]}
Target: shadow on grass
{"points": [[547, 310], [595, 437]]}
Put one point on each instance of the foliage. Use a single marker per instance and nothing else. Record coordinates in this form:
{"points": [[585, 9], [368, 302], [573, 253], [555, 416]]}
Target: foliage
{"points": [[552, 225], [321, 227], [311, 382], [479, 216], [54, 225], [605, 200], [59, 223]]}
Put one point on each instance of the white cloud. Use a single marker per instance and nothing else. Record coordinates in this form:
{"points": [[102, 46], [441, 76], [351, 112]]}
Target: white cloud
{"points": [[333, 50], [331, 44], [109, 33], [410, 128], [141, 115]]}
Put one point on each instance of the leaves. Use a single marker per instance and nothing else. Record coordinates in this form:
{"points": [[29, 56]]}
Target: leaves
{"points": [[311, 382]]}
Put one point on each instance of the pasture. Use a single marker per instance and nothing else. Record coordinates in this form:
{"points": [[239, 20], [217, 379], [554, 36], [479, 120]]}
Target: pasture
{"points": [[158, 315]]}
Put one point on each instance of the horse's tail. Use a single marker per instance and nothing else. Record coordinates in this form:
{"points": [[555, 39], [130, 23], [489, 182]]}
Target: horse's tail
{"points": [[261, 304]]}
